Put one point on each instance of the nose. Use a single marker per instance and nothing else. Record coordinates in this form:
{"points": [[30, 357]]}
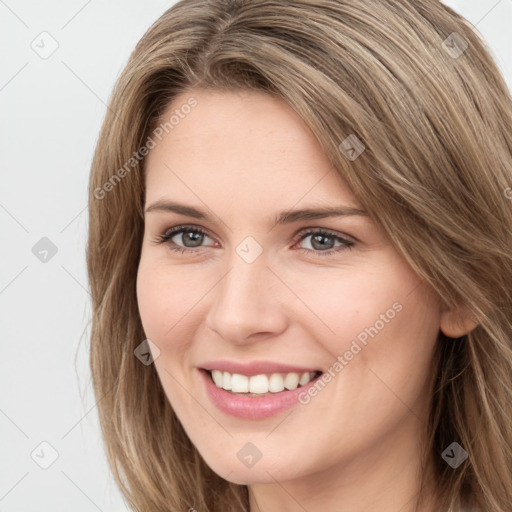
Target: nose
{"points": [[245, 306]]}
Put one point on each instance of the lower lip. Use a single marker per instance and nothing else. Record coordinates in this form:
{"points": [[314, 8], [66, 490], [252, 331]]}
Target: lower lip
{"points": [[252, 408]]}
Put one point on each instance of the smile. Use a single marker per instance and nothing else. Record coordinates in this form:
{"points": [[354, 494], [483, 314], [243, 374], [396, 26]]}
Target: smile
{"points": [[256, 396], [262, 384]]}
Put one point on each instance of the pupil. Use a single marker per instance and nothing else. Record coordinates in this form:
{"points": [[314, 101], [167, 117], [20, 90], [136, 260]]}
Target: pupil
{"points": [[315, 242], [195, 238]]}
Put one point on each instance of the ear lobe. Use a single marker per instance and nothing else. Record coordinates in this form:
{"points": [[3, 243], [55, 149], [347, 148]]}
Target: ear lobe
{"points": [[456, 322]]}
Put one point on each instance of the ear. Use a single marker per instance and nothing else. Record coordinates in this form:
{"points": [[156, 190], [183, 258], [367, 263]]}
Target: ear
{"points": [[457, 321]]}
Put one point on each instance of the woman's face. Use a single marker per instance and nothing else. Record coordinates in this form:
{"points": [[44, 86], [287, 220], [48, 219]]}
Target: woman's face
{"points": [[238, 292]]}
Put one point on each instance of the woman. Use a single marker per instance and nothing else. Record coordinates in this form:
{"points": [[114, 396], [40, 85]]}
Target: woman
{"points": [[300, 259]]}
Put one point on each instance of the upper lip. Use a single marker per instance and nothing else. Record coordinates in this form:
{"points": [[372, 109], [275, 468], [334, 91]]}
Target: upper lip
{"points": [[254, 367]]}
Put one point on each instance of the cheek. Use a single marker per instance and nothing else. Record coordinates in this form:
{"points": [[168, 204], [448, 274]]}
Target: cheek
{"points": [[163, 298], [382, 319], [171, 300], [151, 300], [386, 355], [346, 304]]}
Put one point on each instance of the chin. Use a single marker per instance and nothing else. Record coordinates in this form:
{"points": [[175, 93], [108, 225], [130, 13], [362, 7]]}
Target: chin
{"points": [[264, 471]]}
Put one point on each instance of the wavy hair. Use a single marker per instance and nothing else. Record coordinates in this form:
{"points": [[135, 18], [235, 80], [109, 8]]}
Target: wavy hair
{"points": [[418, 86]]}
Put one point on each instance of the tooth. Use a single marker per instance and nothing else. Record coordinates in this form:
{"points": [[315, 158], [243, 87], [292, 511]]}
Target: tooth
{"points": [[304, 379], [291, 381], [239, 383], [276, 383], [258, 384], [227, 381], [217, 378]]}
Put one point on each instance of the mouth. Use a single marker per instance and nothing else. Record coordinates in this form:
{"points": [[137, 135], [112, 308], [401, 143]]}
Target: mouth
{"points": [[260, 385], [246, 392]]}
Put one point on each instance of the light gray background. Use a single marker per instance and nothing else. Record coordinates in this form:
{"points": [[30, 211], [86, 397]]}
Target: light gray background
{"points": [[51, 113]]}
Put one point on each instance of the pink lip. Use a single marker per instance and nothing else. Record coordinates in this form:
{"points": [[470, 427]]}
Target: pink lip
{"points": [[254, 368], [251, 408]]}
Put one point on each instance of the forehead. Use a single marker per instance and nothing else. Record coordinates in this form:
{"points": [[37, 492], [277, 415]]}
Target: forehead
{"points": [[245, 145]]}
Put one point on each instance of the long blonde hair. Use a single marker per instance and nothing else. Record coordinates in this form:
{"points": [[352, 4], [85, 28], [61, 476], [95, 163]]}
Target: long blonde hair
{"points": [[417, 85]]}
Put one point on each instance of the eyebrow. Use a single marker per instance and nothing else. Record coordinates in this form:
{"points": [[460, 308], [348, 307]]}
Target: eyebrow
{"points": [[284, 217]]}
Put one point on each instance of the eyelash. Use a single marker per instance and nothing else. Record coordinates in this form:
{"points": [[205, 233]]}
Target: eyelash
{"points": [[171, 233]]}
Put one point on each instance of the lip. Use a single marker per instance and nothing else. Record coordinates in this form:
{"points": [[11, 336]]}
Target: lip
{"points": [[254, 368], [251, 408]]}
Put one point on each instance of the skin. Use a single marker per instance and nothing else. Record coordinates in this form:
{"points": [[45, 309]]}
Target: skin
{"points": [[244, 157]]}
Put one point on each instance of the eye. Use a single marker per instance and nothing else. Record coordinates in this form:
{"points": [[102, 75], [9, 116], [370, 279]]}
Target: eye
{"points": [[322, 242], [191, 237]]}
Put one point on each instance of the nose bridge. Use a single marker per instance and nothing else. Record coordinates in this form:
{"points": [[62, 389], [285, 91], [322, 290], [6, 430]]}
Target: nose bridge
{"points": [[244, 300]]}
